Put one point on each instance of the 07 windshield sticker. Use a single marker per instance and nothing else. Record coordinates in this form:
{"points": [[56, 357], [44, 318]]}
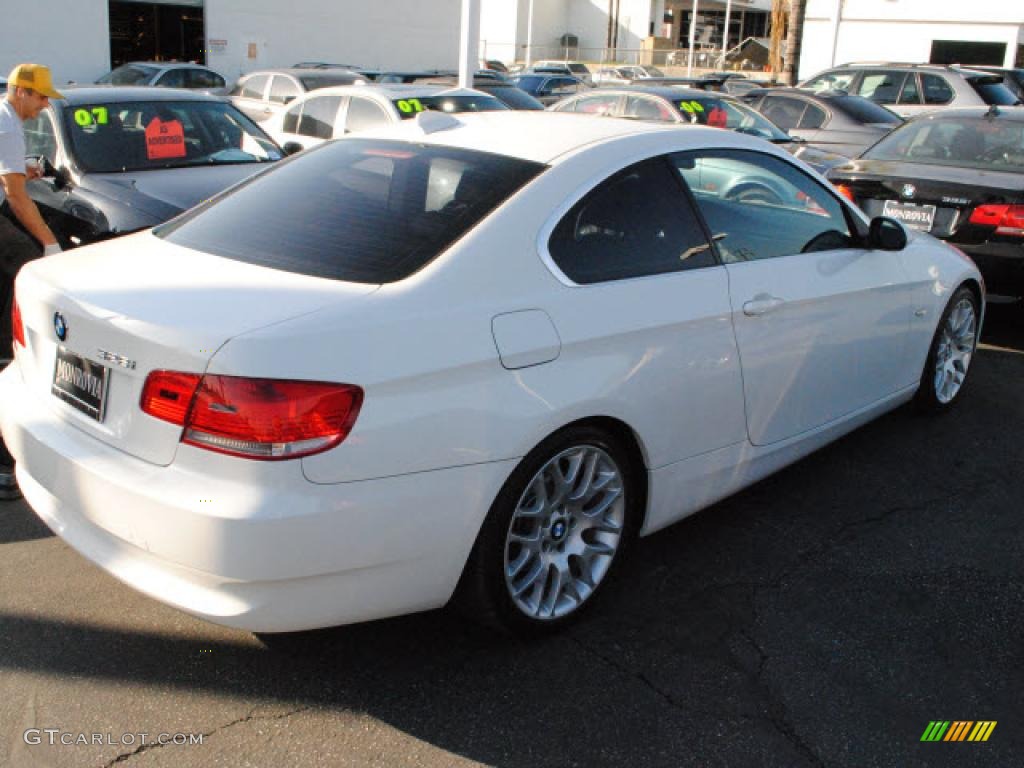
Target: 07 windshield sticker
{"points": [[409, 106], [85, 117], [164, 139]]}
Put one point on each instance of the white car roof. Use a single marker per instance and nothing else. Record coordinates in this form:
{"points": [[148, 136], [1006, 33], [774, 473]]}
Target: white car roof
{"points": [[540, 136], [389, 91]]}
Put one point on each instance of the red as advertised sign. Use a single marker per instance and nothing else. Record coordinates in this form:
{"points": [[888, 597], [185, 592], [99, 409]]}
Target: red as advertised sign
{"points": [[164, 140]]}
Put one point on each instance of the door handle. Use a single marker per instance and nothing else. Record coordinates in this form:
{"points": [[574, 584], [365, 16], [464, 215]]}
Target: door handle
{"points": [[762, 304]]}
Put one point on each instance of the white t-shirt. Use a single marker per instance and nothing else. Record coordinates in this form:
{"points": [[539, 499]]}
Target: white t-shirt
{"points": [[12, 142]]}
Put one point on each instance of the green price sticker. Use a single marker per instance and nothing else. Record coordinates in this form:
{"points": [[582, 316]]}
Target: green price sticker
{"points": [[691, 107], [409, 106], [97, 115]]}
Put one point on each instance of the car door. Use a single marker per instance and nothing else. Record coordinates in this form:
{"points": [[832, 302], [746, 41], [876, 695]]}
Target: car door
{"points": [[362, 115], [317, 120], [283, 91], [49, 195], [249, 94], [558, 88], [822, 323], [649, 296]]}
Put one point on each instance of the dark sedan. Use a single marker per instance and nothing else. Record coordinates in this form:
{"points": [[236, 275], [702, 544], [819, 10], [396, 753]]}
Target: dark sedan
{"points": [[833, 121], [123, 159], [958, 174], [673, 104], [548, 88]]}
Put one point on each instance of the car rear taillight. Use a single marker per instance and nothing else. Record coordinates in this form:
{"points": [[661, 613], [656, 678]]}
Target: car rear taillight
{"points": [[1007, 219], [269, 419], [846, 192], [17, 329]]}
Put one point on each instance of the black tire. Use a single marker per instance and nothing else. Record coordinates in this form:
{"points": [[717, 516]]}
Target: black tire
{"points": [[484, 593], [928, 398]]}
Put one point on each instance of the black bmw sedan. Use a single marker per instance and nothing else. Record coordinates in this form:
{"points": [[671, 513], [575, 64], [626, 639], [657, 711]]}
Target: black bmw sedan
{"points": [[957, 174], [119, 159]]}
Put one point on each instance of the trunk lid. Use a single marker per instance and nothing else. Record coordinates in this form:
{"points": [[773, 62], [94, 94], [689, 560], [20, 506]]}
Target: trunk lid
{"points": [[137, 304]]}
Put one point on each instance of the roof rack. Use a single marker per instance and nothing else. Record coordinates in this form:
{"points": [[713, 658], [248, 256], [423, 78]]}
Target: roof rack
{"points": [[898, 64]]}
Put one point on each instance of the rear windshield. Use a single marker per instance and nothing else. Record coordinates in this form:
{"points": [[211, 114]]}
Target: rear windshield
{"points": [[529, 82], [516, 98], [312, 82], [409, 108], [985, 143], [724, 113], [129, 74], [359, 210], [865, 111], [992, 90], [147, 135]]}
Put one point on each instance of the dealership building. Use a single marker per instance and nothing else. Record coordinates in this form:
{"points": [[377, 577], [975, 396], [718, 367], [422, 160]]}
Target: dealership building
{"points": [[82, 39]]}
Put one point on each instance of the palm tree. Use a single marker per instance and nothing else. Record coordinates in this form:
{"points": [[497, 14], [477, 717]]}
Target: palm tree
{"points": [[794, 36], [778, 24]]}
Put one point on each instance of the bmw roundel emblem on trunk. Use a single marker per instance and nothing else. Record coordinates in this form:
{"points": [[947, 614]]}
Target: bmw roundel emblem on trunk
{"points": [[60, 326], [908, 190]]}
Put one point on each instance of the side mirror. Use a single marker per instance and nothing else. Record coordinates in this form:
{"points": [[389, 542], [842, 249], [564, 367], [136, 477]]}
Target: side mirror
{"points": [[292, 147], [886, 234]]}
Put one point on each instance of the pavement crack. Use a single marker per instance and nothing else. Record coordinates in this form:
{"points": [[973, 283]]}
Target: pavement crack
{"points": [[251, 717]]}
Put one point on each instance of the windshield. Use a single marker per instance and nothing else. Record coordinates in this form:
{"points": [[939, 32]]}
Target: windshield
{"points": [[129, 74], [988, 143], [409, 108], [529, 82], [723, 113], [360, 210], [146, 135], [865, 111]]}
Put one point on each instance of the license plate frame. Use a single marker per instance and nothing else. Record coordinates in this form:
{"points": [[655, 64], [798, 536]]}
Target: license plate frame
{"points": [[80, 383], [919, 217]]}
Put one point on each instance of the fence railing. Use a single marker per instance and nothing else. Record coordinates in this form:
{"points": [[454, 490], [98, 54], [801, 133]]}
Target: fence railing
{"points": [[703, 57]]}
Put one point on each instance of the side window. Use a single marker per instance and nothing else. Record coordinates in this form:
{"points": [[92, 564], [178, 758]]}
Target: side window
{"points": [[283, 90], [363, 114], [910, 93], [635, 223], [290, 123], [839, 80], [814, 117], [761, 207], [562, 86], [936, 89], [318, 117], [599, 104], [172, 78], [204, 78], [40, 138], [254, 87], [881, 87], [785, 113], [642, 108]]}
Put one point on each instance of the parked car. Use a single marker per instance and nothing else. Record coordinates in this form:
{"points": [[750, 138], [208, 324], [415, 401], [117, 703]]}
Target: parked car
{"points": [[955, 174], [1013, 78], [120, 159], [494, 65], [689, 106], [167, 74], [622, 75], [910, 89], [575, 68], [832, 121], [265, 93], [325, 65], [546, 88], [333, 112], [472, 355], [506, 92]]}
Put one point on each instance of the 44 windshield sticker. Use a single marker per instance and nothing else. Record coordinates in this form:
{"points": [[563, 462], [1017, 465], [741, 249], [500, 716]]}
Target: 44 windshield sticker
{"points": [[92, 116]]}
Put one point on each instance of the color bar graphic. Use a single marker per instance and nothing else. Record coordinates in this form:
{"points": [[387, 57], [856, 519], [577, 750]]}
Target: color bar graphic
{"points": [[958, 730]]}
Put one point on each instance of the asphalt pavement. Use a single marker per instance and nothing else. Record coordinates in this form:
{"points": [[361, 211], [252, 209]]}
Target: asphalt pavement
{"points": [[823, 617]]}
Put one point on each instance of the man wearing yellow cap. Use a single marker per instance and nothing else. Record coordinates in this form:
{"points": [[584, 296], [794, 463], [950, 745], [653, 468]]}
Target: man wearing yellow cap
{"points": [[23, 233]]}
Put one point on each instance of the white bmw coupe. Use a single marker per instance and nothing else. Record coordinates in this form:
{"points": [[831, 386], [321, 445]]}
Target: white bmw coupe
{"points": [[468, 356]]}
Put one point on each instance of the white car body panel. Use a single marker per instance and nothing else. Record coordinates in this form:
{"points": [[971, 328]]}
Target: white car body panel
{"points": [[383, 523]]}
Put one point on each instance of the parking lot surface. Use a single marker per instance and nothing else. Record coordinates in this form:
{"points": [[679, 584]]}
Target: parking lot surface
{"points": [[821, 618]]}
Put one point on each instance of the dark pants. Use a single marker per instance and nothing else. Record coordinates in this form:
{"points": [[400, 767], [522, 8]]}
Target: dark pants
{"points": [[16, 248]]}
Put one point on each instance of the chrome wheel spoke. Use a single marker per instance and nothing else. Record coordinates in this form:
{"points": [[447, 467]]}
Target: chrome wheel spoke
{"points": [[564, 532], [955, 350]]}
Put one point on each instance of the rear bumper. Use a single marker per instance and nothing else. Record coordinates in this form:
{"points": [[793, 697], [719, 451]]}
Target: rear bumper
{"points": [[1001, 264], [251, 545]]}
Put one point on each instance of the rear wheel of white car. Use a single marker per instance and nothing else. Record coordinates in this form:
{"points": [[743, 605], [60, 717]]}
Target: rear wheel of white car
{"points": [[952, 351], [554, 533]]}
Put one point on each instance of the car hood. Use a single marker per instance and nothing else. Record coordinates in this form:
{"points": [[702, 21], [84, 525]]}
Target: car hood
{"points": [[163, 194]]}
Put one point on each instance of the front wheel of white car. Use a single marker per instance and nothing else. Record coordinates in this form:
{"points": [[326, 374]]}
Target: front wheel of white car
{"points": [[554, 533], [952, 351]]}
